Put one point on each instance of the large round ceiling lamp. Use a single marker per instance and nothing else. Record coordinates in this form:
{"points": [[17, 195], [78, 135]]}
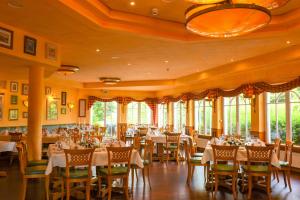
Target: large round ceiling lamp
{"points": [[205, 1], [226, 19], [270, 4], [67, 69]]}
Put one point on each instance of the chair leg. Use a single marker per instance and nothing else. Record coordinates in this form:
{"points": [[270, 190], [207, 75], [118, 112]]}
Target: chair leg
{"points": [[216, 185], [143, 172], [188, 175], [47, 187], [148, 175], [205, 174], [268, 185], [24, 184], [62, 189], [234, 187], [284, 178], [132, 179], [126, 188], [249, 186], [109, 182], [193, 170], [68, 189], [277, 176], [136, 174], [88, 190], [289, 179]]}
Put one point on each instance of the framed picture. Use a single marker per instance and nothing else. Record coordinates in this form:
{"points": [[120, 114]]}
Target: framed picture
{"points": [[13, 99], [30, 45], [25, 89], [82, 108], [63, 111], [47, 90], [52, 110], [51, 51], [1, 105], [6, 38], [63, 98], [13, 114], [25, 115], [14, 86]]}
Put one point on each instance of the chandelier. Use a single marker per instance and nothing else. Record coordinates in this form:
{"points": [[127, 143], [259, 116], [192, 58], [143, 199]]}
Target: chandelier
{"points": [[110, 80], [229, 18], [67, 69]]}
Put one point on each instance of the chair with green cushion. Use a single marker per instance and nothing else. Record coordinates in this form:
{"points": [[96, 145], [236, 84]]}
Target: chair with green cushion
{"points": [[31, 163], [286, 164], [78, 169], [118, 168], [31, 172], [225, 164], [172, 146], [258, 165], [193, 162]]}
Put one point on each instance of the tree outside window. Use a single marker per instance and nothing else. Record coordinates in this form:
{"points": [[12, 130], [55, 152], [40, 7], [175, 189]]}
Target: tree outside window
{"points": [[162, 115], [203, 117], [179, 116], [138, 113]]}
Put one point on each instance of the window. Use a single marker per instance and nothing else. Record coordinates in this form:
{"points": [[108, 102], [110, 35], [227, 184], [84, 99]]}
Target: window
{"points": [[283, 116], [203, 117], [237, 115], [162, 115], [138, 113], [105, 114], [179, 116]]}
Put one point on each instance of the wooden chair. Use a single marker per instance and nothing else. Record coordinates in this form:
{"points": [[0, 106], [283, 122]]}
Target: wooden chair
{"points": [[118, 167], [277, 143], [228, 155], [193, 162], [142, 131], [172, 146], [14, 137], [76, 158], [258, 165], [193, 146], [286, 164], [31, 172]]}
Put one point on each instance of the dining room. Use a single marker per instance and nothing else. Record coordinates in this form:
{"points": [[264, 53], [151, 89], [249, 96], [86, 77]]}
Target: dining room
{"points": [[161, 99]]}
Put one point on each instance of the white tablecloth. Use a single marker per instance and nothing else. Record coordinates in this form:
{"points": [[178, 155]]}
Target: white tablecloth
{"points": [[57, 158], [162, 138], [208, 155], [7, 146]]}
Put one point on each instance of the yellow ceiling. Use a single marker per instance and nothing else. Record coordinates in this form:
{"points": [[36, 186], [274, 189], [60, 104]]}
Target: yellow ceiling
{"points": [[136, 57]]}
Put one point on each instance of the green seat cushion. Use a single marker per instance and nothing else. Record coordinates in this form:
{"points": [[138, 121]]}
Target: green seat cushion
{"points": [[35, 170], [37, 163], [171, 147], [198, 155], [284, 164], [196, 160], [76, 173], [256, 168], [114, 171], [223, 167]]}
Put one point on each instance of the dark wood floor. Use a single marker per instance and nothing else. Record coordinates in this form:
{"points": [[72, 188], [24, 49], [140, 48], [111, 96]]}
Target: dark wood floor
{"points": [[168, 182]]}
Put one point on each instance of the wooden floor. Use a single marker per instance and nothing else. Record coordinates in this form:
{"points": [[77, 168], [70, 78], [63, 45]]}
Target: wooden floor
{"points": [[168, 182]]}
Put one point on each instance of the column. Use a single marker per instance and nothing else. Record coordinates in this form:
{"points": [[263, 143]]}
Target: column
{"points": [[217, 117], [258, 117], [122, 121], [190, 117], [35, 112], [170, 110]]}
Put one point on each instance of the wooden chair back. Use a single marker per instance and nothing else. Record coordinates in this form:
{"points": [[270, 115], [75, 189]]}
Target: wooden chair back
{"points": [[148, 150], [172, 139], [117, 156], [75, 135], [225, 153], [142, 131], [277, 143], [187, 149], [102, 130], [22, 157], [259, 155], [288, 153], [79, 157], [15, 136]]}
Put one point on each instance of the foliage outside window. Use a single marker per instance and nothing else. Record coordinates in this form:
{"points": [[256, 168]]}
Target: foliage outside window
{"points": [[295, 115], [179, 116], [203, 117], [105, 114], [237, 115], [162, 115], [138, 113]]}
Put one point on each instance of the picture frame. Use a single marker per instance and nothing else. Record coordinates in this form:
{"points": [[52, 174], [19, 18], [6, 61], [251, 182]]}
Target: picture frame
{"points": [[1, 105], [25, 89], [63, 111], [14, 87], [52, 110], [6, 38], [14, 100], [50, 51], [82, 108], [25, 115], [63, 98], [30, 45], [48, 90], [13, 114]]}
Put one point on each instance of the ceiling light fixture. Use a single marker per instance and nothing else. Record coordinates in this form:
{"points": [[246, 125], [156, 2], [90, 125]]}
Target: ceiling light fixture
{"points": [[67, 69], [109, 80], [132, 3], [97, 50], [229, 18]]}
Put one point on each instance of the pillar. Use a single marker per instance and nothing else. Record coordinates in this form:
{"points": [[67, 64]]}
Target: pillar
{"points": [[35, 112], [170, 109], [190, 117], [217, 117], [122, 121], [258, 117]]}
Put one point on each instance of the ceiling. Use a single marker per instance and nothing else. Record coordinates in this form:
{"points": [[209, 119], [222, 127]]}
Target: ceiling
{"points": [[134, 57]]}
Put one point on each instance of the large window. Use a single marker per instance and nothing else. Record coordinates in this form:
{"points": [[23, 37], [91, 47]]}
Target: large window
{"points": [[105, 114], [138, 113], [283, 116], [179, 116], [203, 117], [237, 115], [162, 115]]}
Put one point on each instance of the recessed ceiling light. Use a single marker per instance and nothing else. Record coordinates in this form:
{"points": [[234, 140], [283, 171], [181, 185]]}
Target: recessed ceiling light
{"points": [[115, 57], [97, 50], [288, 42], [132, 3], [166, 61], [154, 11], [129, 64], [231, 60]]}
